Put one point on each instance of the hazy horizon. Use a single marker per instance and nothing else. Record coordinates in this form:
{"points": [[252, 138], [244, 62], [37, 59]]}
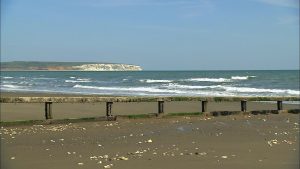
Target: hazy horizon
{"points": [[157, 35]]}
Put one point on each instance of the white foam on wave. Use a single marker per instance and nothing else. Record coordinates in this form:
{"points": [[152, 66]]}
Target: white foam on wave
{"points": [[232, 89], [10, 86], [208, 80], [260, 90], [7, 77], [77, 81], [130, 89], [178, 86], [239, 77], [72, 77], [155, 81], [218, 80]]}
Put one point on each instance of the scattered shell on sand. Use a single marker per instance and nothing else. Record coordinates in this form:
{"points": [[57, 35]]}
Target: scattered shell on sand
{"points": [[203, 153], [149, 141], [224, 157], [123, 158], [12, 158], [80, 163], [108, 166], [271, 142], [93, 157]]}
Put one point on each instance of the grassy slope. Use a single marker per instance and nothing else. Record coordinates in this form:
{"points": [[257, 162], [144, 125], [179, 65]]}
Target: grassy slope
{"points": [[24, 65]]}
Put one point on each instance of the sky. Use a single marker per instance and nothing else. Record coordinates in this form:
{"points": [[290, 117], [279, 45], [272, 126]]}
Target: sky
{"points": [[155, 34]]}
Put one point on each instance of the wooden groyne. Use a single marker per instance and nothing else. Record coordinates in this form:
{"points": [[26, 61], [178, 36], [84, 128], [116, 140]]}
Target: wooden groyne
{"points": [[137, 99], [49, 101]]}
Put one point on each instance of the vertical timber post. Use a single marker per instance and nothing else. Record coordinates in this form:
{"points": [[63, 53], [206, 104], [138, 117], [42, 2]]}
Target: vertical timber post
{"points": [[279, 105], [244, 105], [48, 110], [108, 109], [160, 107], [204, 106]]}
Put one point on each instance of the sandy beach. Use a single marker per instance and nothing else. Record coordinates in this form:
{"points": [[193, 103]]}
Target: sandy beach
{"points": [[236, 141], [254, 141]]}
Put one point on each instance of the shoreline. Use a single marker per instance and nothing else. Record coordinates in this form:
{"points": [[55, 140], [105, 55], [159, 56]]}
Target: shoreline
{"points": [[60, 94]]}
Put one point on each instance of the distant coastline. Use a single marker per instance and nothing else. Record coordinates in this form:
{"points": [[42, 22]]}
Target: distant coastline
{"points": [[66, 66]]}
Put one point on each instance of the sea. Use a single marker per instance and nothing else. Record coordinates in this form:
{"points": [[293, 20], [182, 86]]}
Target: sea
{"points": [[155, 83]]}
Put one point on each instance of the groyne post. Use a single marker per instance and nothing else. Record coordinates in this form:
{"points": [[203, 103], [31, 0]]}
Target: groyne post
{"points": [[48, 110], [204, 105], [108, 109], [244, 105], [160, 107], [279, 105]]}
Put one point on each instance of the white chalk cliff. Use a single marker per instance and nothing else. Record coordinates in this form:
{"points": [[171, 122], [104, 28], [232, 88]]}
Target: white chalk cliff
{"points": [[107, 67]]}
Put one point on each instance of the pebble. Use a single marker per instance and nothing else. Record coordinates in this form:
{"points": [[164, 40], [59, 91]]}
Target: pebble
{"points": [[224, 157], [149, 141], [123, 158], [108, 166], [80, 163], [12, 158], [203, 153]]}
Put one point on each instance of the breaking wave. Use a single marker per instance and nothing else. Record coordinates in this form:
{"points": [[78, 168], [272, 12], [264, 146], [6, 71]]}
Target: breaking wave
{"points": [[155, 81], [208, 80], [133, 89]]}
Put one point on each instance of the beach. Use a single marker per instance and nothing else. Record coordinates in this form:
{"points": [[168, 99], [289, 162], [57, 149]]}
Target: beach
{"points": [[243, 141], [268, 141]]}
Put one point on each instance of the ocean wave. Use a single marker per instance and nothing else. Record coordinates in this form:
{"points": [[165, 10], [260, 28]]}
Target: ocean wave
{"points": [[10, 86], [7, 77], [208, 80], [178, 86], [261, 90], [218, 80], [239, 77], [77, 81], [233, 89], [155, 81], [43, 78], [130, 89]]}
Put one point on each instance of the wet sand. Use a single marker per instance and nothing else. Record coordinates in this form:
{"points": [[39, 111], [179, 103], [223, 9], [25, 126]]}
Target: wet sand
{"points": [[227, 142]]}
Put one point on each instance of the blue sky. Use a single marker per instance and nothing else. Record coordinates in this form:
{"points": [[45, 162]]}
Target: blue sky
{"points": [[156, 34]]}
